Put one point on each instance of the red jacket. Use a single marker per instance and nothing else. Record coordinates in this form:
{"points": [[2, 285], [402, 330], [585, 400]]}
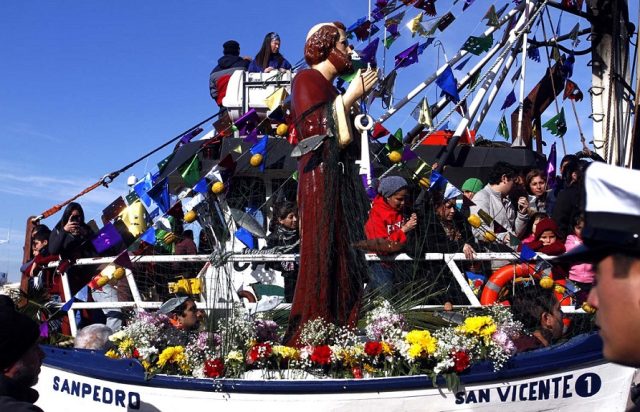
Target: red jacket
{"points": [[384, 222]]}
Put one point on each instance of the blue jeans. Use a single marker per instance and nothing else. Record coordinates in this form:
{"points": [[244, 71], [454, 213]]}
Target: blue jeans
{"points": [[381, 279]]}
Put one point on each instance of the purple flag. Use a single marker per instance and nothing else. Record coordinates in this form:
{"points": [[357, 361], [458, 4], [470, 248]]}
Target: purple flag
{"points": [[186, 138], [124, 260], [106, 238], [408, 154], [247, 121], [425, 45], [368, 54], [509, 101], [551, 168], [407, 57], [252, 137], [392, 29]]}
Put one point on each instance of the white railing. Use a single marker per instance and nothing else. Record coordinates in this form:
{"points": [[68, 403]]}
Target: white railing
{"points": [[450, 260]]}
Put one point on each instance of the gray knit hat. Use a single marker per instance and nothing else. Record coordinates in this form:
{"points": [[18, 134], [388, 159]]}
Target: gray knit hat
{"points": [[391, 184]]}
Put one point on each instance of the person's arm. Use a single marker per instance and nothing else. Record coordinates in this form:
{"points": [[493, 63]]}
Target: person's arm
{"points": [[254, 67], [285, 64], [57, 240]]}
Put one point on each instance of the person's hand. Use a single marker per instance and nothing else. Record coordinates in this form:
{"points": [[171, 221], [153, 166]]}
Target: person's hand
{"points": [[34, 270], [361, 84], [268, 69], [72, 227], [468, 251], [523, 204], [411, 223]]}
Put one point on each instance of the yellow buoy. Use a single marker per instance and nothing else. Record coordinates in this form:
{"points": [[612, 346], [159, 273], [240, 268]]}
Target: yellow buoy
{"points": [[282, 129], [559, 289], [546, 282], [190, 216], [395, 156], [588, 308], [169, 238], [101, 281], [256, 160], [217, 188], [118, 273], [489, 236], [424, 182], [474, 220]]}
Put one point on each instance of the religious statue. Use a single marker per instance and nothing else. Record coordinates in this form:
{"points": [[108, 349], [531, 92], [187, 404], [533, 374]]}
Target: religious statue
{"points": [[332, 201]]}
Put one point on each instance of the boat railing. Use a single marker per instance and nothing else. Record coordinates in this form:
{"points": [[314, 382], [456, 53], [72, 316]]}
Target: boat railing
{"points": [[213, 262]]}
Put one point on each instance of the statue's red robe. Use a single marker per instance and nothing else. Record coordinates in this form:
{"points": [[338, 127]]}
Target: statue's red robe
{"points": [[332, 207]]}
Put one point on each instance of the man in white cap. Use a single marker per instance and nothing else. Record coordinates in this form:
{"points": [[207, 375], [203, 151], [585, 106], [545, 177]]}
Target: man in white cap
{"points": [[611, 238], [182, 312]]}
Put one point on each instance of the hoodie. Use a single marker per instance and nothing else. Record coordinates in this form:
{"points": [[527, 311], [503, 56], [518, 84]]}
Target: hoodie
{"points": [[220, 74], [554, 249], [384, 222]]}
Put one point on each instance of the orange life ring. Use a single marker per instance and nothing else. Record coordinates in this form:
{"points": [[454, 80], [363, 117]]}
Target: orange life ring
{"points": [[504, 275], [245, 294]]}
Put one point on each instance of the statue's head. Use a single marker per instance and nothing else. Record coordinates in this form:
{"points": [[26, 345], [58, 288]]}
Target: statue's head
{"points": [[328, 41]]}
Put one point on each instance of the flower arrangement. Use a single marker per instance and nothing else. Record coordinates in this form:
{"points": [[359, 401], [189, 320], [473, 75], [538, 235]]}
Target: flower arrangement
{"points": [[387, 348]]}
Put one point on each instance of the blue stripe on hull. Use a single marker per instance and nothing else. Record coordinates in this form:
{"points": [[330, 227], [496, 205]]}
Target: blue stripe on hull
{"points": [[579, 351]]}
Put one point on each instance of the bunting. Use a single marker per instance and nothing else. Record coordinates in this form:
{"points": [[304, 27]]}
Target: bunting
{"points": [[557, 125], [407, 57], [478, 45], [449, 85], [503, 130], [422, 113], [160, 194], [572, 91], [509, 101], [191, 173], [415, 24], [532, 51]]}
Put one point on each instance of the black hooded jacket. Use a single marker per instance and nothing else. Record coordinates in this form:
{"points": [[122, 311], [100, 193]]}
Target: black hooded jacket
{"points": [[17, 398]]}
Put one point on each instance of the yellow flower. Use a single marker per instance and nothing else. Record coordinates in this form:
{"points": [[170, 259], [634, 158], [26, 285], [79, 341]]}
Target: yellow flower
{"points": [[112, 354], [171, 354], [386, 348], [369, 368], [146, 365], [235, 355], [421, 343], [126, 345], [285, 352], [482, 326]]}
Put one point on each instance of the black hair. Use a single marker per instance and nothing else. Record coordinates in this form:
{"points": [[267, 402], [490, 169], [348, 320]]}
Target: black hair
{"points": [[501, 169], [529, 302], [576, 219], [188, 233], [42, 234], [280, 211], [179, 310], [71, 207], [265, 54], [36, 228]]}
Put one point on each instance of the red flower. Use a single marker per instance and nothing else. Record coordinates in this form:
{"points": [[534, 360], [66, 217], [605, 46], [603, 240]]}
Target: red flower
{"points": [[357, 372], [258, 352], [214, 368], [136, 354], [461, 361], [321, 355], [373, 348]]}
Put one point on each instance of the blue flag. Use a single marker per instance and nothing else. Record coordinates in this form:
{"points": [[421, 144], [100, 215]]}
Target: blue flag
{"points": [[149, 236], [461, 65], [261, 149], [201, 186], [142, 187], [526, 253], [245, 237], [509, 101], [437, 181], [449, 85], [160, 194]]}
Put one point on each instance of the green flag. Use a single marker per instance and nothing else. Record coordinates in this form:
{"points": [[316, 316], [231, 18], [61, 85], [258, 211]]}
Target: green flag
{"points": [[191, 173], [395, 141], [557, 125], [503, 130], [477, 45]]}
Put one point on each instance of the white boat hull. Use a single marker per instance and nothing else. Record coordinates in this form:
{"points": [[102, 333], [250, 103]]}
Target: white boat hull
{"points": [[592, 385]]}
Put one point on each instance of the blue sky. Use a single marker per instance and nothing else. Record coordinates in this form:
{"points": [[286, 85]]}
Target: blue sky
{"points": [[86, 87]]}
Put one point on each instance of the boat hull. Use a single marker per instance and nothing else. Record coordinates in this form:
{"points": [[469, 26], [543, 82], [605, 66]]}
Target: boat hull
{"points": [[569, 377]]}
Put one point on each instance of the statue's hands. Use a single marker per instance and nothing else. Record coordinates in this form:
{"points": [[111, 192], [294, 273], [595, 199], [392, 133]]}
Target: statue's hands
{"points": [[361, 84]]}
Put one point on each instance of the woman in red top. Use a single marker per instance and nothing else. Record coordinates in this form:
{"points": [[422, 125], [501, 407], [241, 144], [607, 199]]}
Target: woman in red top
{"points": [[386, 221]]}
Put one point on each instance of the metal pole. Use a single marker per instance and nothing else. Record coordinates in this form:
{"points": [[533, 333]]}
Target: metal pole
{"points": [[517, 142], [496, 87]]}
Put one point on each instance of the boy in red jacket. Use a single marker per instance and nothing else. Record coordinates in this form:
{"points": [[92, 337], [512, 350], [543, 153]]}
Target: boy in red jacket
{"points": [[386, 221]]}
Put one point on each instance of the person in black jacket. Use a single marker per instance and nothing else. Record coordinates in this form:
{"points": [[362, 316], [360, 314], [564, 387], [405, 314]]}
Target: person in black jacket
{"points": [[569, 201], [227, 64], [284, 235], [20, 359]]}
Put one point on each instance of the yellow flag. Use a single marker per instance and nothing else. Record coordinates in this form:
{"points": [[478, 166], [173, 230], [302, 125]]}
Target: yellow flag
{"points": [[238, 149], [276, 98], [414, 24], [425, 114]]}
